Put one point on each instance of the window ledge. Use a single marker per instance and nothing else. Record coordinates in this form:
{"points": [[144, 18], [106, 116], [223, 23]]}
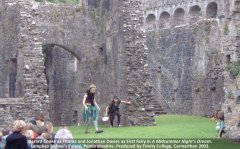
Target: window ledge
{"points": [[12, 101]]}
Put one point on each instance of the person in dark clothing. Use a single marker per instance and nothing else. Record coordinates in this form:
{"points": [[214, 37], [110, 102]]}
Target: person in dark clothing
{"points": [[17, 140], [113, 110], [37, 121]]}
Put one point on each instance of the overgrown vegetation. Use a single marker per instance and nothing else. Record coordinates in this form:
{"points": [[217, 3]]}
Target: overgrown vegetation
{"points": [[60, 1], [234, 68], [98, 20]]}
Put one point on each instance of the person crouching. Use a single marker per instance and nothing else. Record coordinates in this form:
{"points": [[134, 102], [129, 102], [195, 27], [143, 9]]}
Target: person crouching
{"points": [[113, 110]]}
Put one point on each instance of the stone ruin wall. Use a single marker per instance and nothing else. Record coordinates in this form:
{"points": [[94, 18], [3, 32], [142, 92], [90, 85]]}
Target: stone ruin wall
{"points": [[22, 64], [75, 35], [231, 105], [74, 58], [59, 46], [136, 63], [188, 40], [186, 55]]}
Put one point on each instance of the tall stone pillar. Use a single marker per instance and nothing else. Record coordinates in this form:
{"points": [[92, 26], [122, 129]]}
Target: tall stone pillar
{"points": [[31, 68], [135, 59]]}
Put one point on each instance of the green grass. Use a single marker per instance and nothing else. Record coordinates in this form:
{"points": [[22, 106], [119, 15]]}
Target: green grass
{"points": [[168, 126]]}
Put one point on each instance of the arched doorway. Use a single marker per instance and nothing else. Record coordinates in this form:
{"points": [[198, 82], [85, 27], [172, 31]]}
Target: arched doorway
{"points": [[61, 68]]}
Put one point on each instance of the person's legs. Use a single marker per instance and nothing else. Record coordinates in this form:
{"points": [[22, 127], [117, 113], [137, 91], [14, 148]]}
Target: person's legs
{"points": [[111, 119], [86, 118], [87, 123], [95, 113], [96, 126], [119, 118], [222, 132], [95, 123]]}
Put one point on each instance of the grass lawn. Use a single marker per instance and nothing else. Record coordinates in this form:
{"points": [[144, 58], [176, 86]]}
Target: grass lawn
{"points": [[168, 126]]}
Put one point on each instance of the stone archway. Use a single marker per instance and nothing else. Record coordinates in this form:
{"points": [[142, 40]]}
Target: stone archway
{"points": [[150, 22], [194, 14], [164, 20], [61, 66], [65, 47], [179, 17], [212, 10]]}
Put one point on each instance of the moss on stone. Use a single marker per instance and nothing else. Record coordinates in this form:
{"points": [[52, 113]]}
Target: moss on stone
{"points": [[226, 29], [98, 21]]}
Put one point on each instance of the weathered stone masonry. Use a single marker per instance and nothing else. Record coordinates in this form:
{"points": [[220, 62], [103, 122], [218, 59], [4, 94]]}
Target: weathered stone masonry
{"points": [[191, 43], [136, 63], [46, 81], [231, 105], [31, 95]]}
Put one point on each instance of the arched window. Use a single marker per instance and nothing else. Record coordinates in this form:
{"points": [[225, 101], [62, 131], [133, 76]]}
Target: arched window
{"points": [[179, 16], [150, 21], [237, 5], [164, 20], [212, 10], [194, 14]]}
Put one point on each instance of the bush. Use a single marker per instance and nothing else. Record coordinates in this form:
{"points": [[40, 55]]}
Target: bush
{"points": [[234, 69]]}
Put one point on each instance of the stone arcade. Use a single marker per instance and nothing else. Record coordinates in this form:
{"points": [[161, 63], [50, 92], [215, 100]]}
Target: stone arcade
{"points": [[163, 54]]}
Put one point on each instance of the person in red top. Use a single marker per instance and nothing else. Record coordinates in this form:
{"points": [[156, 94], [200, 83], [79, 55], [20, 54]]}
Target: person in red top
{"points": [[113, 110], [29, 126]]}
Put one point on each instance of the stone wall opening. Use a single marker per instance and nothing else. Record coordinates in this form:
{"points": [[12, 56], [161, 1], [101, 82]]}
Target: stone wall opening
{"points": [[61, 69], [194, 14], [237, 4], [238, 100], [12, 76], [179, 17], [228, 59], [212, 10], [150, 22], [164, 20], [94, 3]]}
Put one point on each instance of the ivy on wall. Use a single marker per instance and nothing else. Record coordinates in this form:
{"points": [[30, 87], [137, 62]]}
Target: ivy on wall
{"points": [[234, 69]]}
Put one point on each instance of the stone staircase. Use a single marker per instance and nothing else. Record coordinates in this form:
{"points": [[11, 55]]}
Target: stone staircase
{"points": [[156, 108]]}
